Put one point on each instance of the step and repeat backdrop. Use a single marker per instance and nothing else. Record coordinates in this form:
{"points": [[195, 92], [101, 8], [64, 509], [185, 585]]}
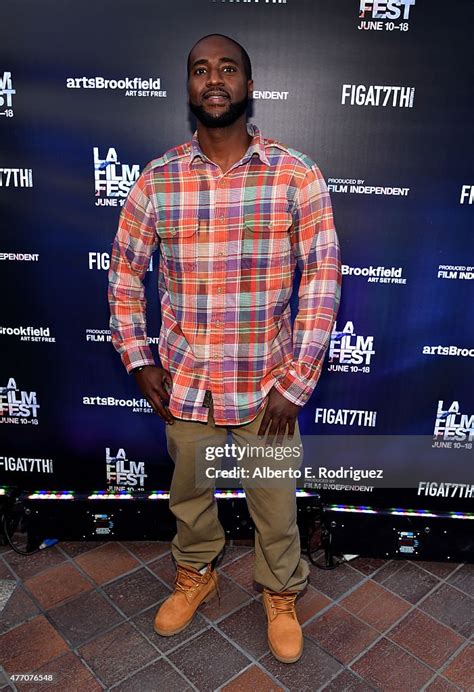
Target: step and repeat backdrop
{"points": [[377, 92]]}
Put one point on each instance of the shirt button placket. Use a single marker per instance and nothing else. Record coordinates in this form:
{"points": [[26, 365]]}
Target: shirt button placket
{"points": [[217, 337]]}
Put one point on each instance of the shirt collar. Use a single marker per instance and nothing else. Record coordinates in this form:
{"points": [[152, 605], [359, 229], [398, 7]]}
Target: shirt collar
{"points": [[256, 147]]}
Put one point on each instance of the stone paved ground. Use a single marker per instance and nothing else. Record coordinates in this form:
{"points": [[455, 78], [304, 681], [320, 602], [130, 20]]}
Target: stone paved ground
{"points": [[84, 612]]}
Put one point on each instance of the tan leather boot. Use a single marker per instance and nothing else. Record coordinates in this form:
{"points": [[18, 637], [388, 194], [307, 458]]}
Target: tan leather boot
{"points": [[191, 589], [285, 638]]}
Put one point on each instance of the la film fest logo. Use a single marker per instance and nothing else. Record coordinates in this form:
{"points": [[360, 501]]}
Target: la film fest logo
{"points": [[129, 86], [112, 178], [18, 405], [357, 418], [6, 95], [453, 429], [123, 473], [350, 352], [26, 465], [384, 15], [357, 186], [101, 260], [29, 333], [376, 275], [385, 96], [16, 177]]}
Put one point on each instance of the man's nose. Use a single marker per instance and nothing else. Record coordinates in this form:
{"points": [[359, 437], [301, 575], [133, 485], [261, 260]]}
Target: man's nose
{"points": [[214, 76]]}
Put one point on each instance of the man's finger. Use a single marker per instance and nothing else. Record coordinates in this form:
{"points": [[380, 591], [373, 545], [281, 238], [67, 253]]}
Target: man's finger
{"points": [[264, 424], [273, 430], [281, 431], [159, 409], [291, 427], [165, 414], [162, 393]]}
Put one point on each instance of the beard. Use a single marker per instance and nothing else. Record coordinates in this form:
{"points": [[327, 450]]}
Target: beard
{"points": [[225, 119]]}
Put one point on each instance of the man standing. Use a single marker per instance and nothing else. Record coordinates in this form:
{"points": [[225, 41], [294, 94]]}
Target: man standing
{"points": [[232, 213]]}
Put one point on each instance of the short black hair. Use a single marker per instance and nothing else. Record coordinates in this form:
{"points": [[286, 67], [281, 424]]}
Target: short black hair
{"points": [[245, 57]]}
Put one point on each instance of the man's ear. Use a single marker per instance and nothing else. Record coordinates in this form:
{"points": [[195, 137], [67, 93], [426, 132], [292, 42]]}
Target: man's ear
{"points": [[250, 88]]}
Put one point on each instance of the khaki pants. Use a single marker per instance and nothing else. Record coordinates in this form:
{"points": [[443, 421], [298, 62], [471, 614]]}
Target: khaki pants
{"points": [[200, 536]]}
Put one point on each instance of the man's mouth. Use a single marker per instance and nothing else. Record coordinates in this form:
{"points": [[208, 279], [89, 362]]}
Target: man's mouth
{"points": [[216, 96]]}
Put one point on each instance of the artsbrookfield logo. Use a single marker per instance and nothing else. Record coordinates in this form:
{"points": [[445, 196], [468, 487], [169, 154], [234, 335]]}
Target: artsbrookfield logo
{"points": [[376, 275], [6, 95], [112, 178], [452, 427], [456, 351], [375, 95], [130, 86], [384, 15], [136, 405], [123, 473], [18, 405], [29, 333], [350, 352]]}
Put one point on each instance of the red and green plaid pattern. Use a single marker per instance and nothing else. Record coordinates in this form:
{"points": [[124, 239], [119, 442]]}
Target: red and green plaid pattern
{"points": [[229, 244]]}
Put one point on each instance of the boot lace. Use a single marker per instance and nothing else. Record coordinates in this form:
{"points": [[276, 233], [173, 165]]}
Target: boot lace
{"points": [[283, 602], [187, 581]]}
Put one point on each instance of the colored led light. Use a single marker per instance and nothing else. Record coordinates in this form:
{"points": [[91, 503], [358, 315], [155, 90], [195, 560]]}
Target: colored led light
{"points": [[104, 495], [238, 494], [400, 512], [51, 495]]}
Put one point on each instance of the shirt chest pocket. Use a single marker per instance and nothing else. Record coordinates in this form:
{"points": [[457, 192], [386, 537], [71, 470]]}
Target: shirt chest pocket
{"points": [[178, 243], [266, 241]]}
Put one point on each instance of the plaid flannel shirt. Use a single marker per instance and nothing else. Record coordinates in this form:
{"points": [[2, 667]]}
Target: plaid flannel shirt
{"points": [[229, 244]]}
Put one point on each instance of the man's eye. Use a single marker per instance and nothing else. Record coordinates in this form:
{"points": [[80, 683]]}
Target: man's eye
{"points": [[229, 68], [199, 70]]}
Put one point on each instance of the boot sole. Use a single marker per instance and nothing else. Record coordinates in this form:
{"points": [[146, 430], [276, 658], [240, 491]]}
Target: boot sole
{"points": [[285, 660], [167, 633]]}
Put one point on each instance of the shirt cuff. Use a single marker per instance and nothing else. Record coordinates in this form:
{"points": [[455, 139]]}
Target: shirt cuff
{"points": [[293, 388], [136, 357]]}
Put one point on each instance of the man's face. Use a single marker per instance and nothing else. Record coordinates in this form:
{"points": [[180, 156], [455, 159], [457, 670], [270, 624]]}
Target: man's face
{"points": [[218, 88]]}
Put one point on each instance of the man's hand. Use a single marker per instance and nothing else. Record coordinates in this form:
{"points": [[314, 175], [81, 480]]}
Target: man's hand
{"points": [[154, 381], [280, 412]]}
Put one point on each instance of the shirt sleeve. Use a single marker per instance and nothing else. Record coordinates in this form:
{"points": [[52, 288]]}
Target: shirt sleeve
{"points": [[316, 249], [133, 246]]}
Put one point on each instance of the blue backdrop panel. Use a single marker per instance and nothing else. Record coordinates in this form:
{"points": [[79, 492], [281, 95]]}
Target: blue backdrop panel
{"points": [[90, 93]]}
